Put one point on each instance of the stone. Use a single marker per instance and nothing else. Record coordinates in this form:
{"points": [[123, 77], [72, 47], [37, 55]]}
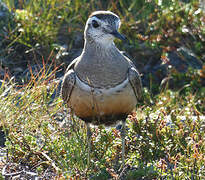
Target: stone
{"points": [[182, 59], [6, 19]]}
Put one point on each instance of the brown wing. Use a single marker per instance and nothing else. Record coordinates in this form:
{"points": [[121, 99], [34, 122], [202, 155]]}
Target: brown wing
{"points": [[68, 85], [68, 82], [135, 81]]}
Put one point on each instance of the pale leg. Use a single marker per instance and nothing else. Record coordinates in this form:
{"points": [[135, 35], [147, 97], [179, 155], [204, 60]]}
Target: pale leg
{"points": [[123, 132], [89, 134]]}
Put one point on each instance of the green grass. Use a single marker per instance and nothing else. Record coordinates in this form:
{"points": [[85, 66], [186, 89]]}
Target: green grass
{"points": [[166, 135], [165, 139]]}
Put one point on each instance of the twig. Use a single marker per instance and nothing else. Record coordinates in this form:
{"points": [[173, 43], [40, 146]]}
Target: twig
{"points": [[16, 173], [9, 174], [49, 159]]}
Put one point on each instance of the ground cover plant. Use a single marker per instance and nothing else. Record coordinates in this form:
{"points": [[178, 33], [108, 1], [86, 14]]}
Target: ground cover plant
{"points": [[41, 138]]}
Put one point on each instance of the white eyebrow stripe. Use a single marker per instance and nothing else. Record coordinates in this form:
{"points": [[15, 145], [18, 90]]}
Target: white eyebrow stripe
{"points": [[93, 18], [96, 19]]}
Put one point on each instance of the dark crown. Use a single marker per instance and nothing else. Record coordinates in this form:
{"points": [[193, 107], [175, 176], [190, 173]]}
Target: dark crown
{"points": [[105, 15]]}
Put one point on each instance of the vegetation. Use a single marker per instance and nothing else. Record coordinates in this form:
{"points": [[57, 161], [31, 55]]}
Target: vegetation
{"points": [[165, 136]]}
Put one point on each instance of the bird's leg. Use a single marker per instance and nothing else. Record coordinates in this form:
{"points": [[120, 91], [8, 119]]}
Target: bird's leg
{"points": [[123, 132], [89, 134]]}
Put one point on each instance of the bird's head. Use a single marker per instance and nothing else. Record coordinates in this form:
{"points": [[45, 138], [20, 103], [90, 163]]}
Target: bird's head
{"points": [[102, 27]]}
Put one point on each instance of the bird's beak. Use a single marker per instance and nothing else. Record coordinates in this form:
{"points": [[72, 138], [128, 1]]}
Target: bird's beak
{"points": [[118, 35]]}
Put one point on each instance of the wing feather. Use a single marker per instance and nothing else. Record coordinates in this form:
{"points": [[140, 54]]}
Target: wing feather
{"points": [[69, 80], [135, 81], [68, 85]]}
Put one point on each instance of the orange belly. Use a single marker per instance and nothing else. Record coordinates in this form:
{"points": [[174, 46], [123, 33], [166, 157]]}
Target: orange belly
{"points": [[96, 104]]}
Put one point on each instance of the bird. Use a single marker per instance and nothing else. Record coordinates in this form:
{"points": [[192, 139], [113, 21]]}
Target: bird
{"points": [[102, 86]]}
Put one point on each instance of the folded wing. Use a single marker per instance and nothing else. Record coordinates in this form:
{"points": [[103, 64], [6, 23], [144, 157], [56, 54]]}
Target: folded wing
{"points": [[135, 81], [68, 82]]}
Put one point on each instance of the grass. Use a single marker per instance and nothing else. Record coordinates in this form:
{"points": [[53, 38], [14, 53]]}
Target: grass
{"points": [[165, 137]]}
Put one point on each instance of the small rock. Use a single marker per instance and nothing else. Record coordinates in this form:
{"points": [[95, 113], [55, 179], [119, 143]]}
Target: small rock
{"points": [[6, 22], [182, 59], [2, 137], [18, 70]]}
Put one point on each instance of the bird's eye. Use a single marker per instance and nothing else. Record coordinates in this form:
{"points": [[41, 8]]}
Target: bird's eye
{"points": [[95, 24]]}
